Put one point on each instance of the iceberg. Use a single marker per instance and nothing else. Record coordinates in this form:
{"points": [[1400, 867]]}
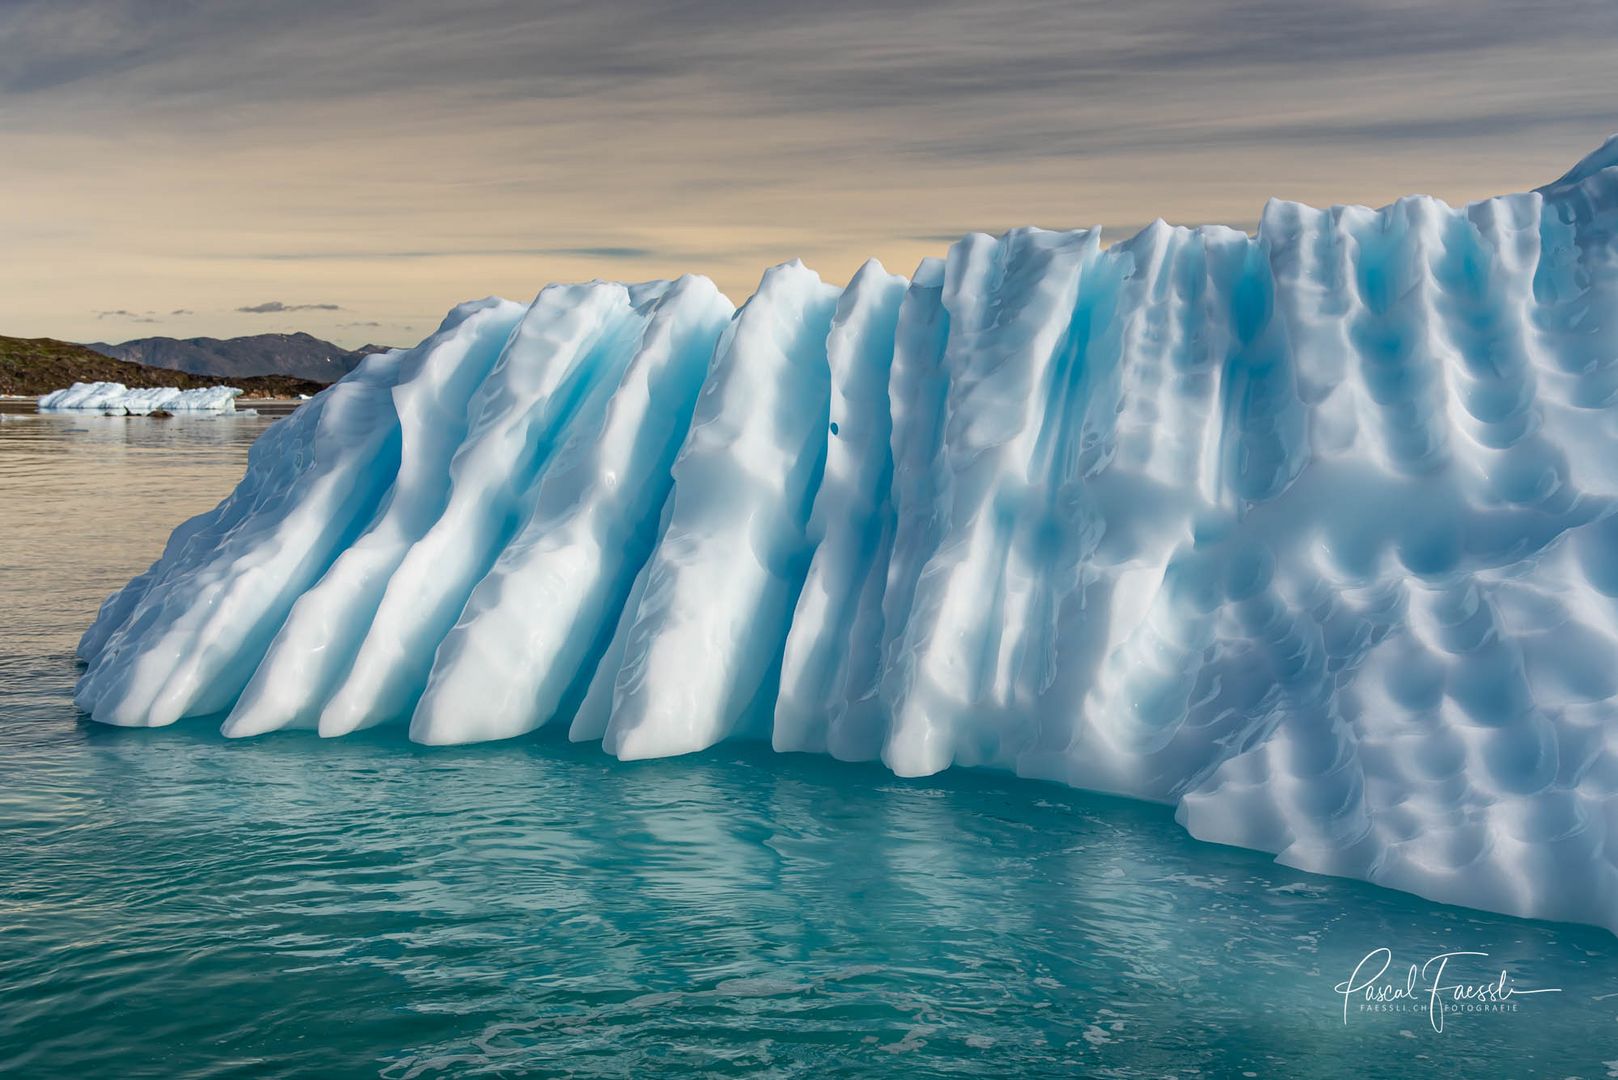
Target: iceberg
{"points": [[1312, 533], [111, 397]]}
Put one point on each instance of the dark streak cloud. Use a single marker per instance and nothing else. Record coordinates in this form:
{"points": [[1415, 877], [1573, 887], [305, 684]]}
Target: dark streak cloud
{"points": [[1029, 139], [582, 252], [274, 307], [602, 252]]}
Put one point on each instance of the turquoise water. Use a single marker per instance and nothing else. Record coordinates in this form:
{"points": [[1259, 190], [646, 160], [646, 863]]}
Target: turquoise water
{"points": [[172, 904]]}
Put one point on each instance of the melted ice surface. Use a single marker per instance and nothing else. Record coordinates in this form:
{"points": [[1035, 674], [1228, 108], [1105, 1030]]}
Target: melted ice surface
{"points": [[1313, 533]]}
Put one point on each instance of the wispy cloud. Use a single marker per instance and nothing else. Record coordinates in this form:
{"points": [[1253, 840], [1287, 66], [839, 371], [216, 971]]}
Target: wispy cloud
{"points": [[128, 316], [274, 307], [765, 54], [601, 252], [582, 251]]}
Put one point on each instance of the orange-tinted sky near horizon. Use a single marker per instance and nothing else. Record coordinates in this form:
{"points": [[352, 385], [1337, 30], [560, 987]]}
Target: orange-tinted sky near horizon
{"points": [[354, 169]]}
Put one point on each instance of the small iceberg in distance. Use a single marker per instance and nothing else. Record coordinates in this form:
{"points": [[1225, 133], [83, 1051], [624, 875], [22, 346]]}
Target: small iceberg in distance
{"points": [[1312, 534], [112, 397]]}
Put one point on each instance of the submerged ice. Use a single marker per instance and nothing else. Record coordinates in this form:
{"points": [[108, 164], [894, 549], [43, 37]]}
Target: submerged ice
{"points": [[1312, 533]]}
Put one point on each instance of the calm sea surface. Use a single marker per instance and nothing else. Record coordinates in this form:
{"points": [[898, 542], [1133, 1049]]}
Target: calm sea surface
{"points": [[173, 904]]}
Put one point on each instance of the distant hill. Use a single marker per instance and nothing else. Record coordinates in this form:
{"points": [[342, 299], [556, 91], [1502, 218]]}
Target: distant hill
{"points": [[33, 366], [302, 356]]}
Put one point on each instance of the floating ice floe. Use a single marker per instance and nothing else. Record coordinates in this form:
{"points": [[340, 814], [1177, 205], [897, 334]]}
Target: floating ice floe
{"points": [[1312, 534], [111, 397]]}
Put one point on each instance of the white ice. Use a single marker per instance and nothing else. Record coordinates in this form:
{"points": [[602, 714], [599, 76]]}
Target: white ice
{"points": [[111, 397], [1312, 534]]}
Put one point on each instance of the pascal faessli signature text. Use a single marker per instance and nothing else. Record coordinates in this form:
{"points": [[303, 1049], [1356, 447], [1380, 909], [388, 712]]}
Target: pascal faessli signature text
{"points": [[1436, 986]]}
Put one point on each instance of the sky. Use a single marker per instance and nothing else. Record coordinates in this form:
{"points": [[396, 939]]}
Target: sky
{"points": [[191, 167]]}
